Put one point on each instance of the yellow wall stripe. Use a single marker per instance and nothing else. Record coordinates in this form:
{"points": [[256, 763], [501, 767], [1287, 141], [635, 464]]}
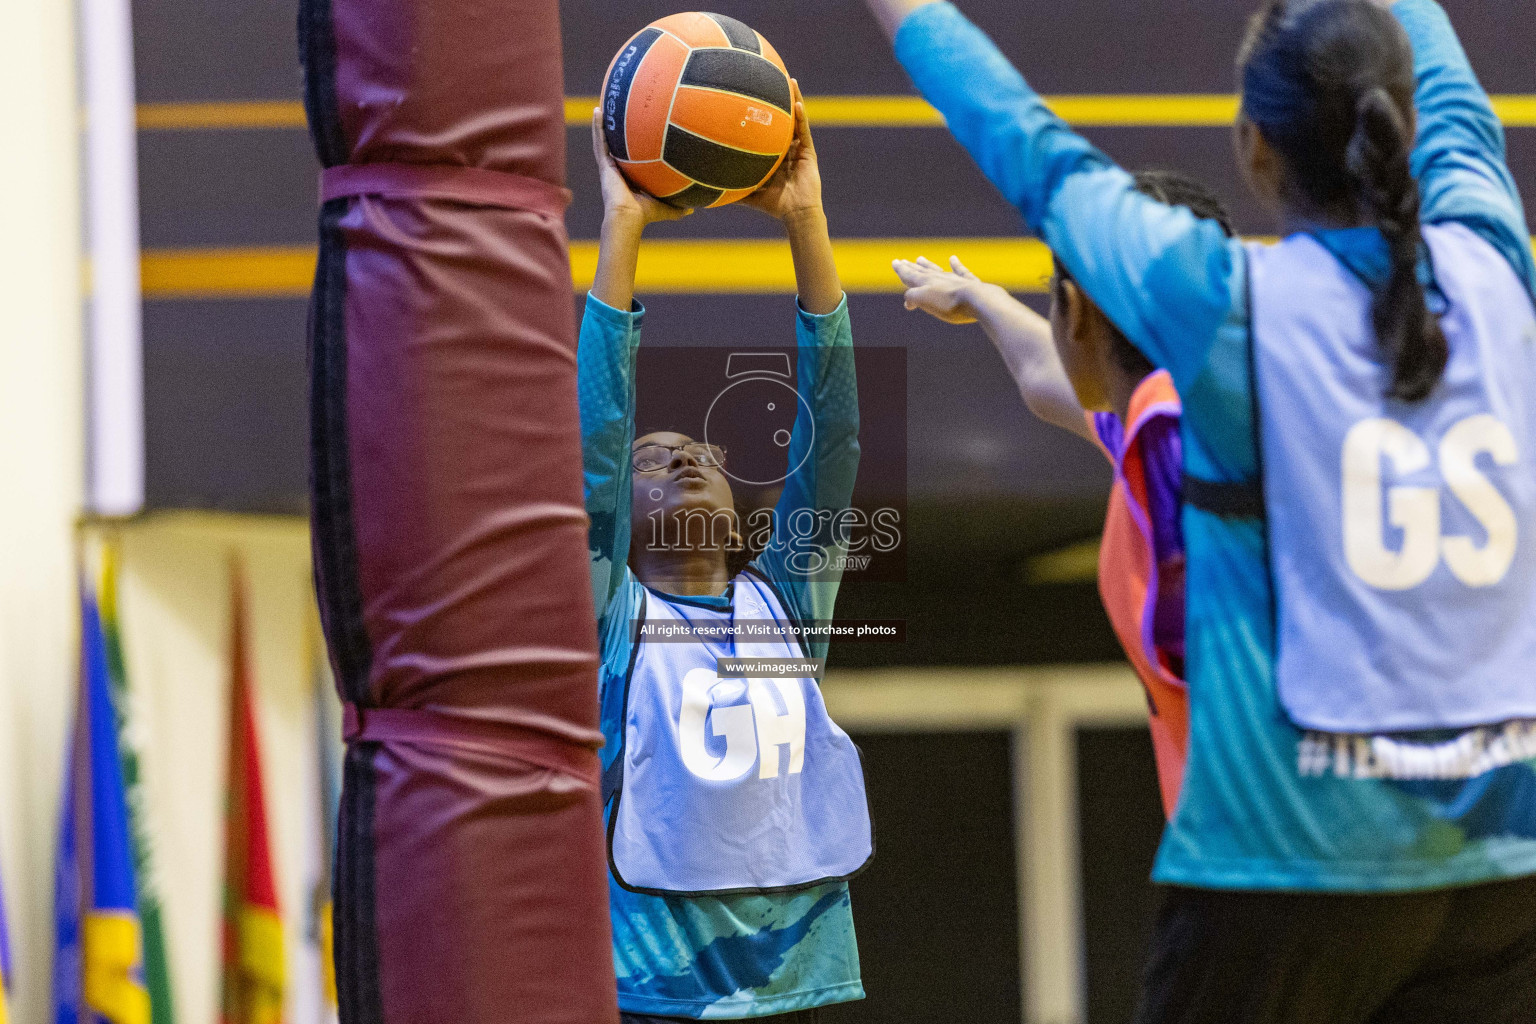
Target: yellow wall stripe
{"points": [[227, 273], [672, 266], [675, 266], [745, 267], [1182, 111], [197, 116], [1083, 111], [1104, 111], [1516, 111], [1108, 111]]}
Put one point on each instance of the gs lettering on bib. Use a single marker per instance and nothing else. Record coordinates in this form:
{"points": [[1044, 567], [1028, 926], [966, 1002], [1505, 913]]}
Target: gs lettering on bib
{"points": [[1402, 535], [731, 786]]}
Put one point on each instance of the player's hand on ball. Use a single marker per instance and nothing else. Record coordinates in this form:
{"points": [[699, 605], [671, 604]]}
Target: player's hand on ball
{"points": [[795, 188], [948, 295], [619, 200]]}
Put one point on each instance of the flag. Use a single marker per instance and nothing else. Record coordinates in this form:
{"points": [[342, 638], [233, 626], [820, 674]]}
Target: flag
{"points": [[98, 966], [254, 974], [328, 744], [5, 962], [157, 974]]}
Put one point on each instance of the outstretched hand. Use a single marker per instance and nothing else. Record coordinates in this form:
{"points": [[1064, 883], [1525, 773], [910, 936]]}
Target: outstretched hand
{"points": [[949, 295], [619, 199], [795, 188], [1022, 336]]}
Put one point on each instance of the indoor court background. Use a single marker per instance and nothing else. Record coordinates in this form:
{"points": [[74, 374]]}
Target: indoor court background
{"points": [[227, 184], [990, 489], [1015, 806]]}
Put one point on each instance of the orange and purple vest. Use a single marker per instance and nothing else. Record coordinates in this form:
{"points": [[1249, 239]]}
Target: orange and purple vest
{"points": [[1129, 577]]}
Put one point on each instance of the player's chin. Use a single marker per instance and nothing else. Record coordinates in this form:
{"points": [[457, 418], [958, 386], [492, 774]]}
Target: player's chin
{"points": [[699, 499], [707, 498]]}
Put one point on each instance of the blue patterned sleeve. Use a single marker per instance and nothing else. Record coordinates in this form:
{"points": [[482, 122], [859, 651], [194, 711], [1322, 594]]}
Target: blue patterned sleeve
{"points": [[802, 555], [1166, 278], [605, 365], [1459, 156]]}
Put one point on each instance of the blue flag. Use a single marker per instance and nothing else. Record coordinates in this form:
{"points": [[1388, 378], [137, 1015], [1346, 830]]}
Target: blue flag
{"points": [[5, 962], [98, 973]]}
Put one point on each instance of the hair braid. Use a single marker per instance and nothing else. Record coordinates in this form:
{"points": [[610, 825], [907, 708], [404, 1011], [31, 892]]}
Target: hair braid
{"points": [[1378, 160], [1329, 84]]}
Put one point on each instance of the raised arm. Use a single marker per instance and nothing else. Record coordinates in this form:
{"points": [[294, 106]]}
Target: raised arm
{"points": [[802, 556], [605, 368], [824, 443], [793, 197], [605, 358], [1022, 336], [626, 213], [1459, 156], [1167, 279]]}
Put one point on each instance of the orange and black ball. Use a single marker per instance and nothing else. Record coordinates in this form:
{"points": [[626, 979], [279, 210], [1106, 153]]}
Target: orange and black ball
{"points": [[697, 110]]}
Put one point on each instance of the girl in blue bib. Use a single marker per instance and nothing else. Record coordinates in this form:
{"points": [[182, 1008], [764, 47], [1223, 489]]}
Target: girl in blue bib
{"points": [[736, 807], [1355, 839]]}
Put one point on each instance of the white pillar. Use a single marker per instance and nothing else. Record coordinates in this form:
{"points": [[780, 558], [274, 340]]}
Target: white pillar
{"points": [[41, 466], [115, 361], [1050, 891]]}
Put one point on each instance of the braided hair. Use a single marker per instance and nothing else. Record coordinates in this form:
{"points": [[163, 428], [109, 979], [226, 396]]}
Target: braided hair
{"points": [[1329, 85]]}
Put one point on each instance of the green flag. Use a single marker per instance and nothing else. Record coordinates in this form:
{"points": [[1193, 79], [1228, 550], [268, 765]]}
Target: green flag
{"points": [[157, 975]]}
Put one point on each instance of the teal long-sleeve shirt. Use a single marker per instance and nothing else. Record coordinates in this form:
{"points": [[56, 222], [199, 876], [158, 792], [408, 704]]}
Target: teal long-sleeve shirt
{"points": [[742, 956], [1177, 288], [824, 444], [1169, 280]]}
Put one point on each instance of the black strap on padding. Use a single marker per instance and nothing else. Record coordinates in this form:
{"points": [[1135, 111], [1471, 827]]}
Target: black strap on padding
{"points": [[1241, 500]]}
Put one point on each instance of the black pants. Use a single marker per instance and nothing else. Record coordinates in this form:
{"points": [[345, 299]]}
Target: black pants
{"points": [[1453, 956], [798, 1017]]}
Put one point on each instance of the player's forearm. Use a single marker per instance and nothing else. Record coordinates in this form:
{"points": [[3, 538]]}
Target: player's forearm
{"points": [[1023, 338], [618, 257], [825, 449], [1456, 119], [605, 369], [810, 246], [890, 13]]}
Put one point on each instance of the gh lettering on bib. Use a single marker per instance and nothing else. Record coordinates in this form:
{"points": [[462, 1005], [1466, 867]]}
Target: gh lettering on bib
{"points": [[752, 732], [731, 785]]}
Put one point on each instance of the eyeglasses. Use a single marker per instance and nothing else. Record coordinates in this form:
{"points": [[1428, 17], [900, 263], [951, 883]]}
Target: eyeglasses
{"points": [[650, 458]]}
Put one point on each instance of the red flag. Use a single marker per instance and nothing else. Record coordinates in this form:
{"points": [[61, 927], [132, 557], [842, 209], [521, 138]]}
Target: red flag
{"points": [[253, 927]]}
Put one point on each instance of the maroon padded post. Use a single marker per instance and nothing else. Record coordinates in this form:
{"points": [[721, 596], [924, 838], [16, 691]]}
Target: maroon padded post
{"points": [[449, 534]]}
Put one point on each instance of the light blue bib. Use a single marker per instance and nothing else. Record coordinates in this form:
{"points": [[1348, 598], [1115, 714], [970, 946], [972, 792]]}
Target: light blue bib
{"points": [[1402, 536], [731, 786]]}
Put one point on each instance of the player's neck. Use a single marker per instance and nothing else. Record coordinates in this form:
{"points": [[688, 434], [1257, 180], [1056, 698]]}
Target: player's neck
{"points": [[1122, 389], [690, 573], [1301, 217]]}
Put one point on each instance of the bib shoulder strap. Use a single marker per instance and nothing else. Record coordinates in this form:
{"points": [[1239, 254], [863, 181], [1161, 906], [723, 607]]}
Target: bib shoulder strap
{"points": [[1240, 499], [613, 775], [784, 604]]}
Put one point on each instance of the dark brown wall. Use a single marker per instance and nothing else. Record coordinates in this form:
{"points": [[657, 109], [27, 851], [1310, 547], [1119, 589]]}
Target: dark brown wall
{"points": [[224, 379]]}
